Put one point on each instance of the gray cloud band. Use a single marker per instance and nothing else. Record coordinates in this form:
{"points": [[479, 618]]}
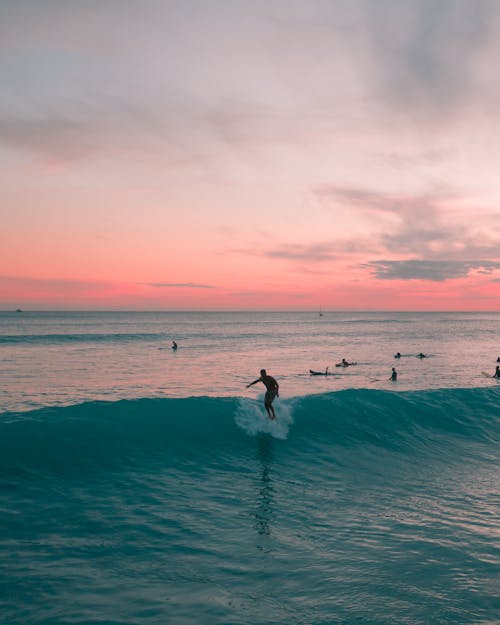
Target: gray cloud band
{"points": [[180, 285], [434, 270]]}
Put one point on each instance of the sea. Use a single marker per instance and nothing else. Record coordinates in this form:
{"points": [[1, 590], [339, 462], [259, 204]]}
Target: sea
{"points": [[141, 485]]}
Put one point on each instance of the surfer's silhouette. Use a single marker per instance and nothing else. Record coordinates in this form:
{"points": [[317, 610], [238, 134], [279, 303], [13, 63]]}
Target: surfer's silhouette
{"points": [[272, 391], [344, 363], [394, 375]]}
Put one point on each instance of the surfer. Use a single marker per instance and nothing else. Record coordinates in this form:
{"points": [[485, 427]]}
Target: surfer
{"points": [[421, 355], [394, 375], [497, 372], [398, 355], [174, 346], [272, 391], [344, 363]]}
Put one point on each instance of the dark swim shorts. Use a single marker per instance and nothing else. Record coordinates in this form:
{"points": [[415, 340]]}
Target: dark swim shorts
{"points": [[270, 395]]}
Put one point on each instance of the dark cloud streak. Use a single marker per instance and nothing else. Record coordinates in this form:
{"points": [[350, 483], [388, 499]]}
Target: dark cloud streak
{"points": [[180, 285], [314, 252], [432, 270]]}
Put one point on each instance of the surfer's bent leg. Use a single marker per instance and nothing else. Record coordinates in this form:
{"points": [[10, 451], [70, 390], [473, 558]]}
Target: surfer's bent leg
{"points": [[268, 403]]}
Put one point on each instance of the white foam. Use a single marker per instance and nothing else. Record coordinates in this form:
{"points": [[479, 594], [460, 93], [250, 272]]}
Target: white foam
{"points": [[252, 418]]}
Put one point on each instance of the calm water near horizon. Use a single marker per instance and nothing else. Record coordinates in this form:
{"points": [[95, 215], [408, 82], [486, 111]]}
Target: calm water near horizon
{"points": [[67, 357], [143, 486]]}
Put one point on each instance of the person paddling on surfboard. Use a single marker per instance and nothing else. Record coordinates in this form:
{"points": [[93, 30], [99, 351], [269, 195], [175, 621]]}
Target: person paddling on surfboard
{"points": [[272, 391], [325, 372], [344, 363]]}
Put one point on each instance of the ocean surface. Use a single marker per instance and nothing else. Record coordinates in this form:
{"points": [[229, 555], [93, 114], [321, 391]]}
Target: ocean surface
{"points": [[141, 485]]}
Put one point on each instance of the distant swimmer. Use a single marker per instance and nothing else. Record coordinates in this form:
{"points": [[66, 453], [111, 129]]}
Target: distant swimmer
{"points": [[272, 391], [421, 355], [325, 372], [174, 346], [344, 363], [497, 372], [394, 375], [398, 355]]}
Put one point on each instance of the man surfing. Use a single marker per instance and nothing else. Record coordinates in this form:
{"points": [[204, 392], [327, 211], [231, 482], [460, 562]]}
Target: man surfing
{"points": [[272, 391]]}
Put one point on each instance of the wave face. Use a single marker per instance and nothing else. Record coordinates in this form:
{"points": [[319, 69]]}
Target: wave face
{"points": [[96, 432], [358, 506]]}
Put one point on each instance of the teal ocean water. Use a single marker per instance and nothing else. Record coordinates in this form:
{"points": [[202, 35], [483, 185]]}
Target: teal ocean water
{"points": [[140, 485]]}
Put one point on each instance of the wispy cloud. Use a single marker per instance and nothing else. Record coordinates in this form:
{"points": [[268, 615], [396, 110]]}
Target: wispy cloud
{"points": [[411, 160], [180, 285], [97, 77], [27, 284], [425, 53], [425, 225], [313, 252], [59, 138]]}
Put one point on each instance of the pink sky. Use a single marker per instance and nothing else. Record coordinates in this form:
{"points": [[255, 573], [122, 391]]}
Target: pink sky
{"points": [[237, 155]]}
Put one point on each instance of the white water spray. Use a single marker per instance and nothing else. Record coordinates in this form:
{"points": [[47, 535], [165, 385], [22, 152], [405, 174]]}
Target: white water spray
{"points": [[252, 418]]}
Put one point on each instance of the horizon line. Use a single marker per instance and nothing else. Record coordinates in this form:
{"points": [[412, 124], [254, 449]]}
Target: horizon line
{"points": [[239, 310]]}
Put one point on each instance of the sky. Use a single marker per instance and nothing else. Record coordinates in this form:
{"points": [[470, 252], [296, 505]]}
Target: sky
{"points": [[257, 154]]}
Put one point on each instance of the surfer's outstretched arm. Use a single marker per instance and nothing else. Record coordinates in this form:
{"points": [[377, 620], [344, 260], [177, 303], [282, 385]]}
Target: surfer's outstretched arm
{"points": [[254, 382]]}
